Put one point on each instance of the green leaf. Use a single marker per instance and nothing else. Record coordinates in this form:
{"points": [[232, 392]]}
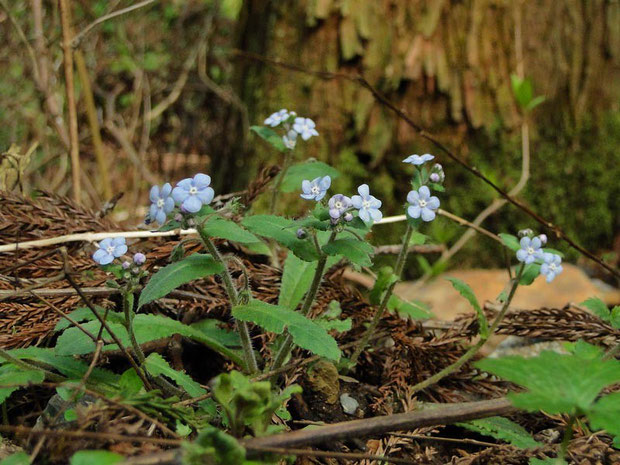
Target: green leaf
{"points": [[306, 333], [531, 272], [95, 457], [308, 170], [85, 314], [68, 366], [270, 136], [535, 102], [385, 277], [341, 326], [216, 226], [605, 414], [130, 383], [296, 279], [10, 375], [146, 328], [19, 458], [280, 230], [414, 310], [156, 365], [356, 251], [467, 292], [176, 274], [503, 429], [555, 383], [510, 241], [615, 317], [598, 307]]}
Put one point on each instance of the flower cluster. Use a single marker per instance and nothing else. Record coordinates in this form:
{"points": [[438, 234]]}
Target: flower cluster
{"points": [[531, 251], [189, 195], [421, 203], [293, 125], [339, 205]]}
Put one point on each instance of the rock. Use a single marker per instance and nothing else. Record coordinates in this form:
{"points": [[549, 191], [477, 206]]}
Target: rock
{"points": [[349, 404], [573, 285], [323, 379]]}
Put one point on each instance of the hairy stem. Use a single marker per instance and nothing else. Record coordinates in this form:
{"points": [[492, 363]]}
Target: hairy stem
{"points": [[233, 295], [400, 264], [276, 188], [287, 345], [475, 348], [568, 434], [128, 311]]}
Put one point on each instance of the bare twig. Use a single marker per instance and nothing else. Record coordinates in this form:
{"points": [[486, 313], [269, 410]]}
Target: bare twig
{"points": [[80, 36], [65, 17], [383, 100]]}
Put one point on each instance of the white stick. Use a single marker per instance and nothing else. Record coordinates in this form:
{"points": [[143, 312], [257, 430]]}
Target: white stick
{"points": [[92, 236]]}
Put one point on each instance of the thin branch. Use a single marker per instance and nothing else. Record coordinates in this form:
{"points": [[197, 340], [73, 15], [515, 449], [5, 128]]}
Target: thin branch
{"points": [[383, 100], [334, 455], [80, 36], [65, 17]]}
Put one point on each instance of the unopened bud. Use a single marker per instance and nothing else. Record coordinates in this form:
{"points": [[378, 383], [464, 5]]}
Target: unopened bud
{"points": [[348, 217], [139, 259], [301, 233], [543, 238], [126, 265], [434, 177], [525, 233]]}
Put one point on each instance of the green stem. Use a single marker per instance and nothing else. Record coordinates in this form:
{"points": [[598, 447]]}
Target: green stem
{"points": [[287, 345], [476, 348], [400, 264], [276, 187], [568, 434], [129, 314], [233, 295]]}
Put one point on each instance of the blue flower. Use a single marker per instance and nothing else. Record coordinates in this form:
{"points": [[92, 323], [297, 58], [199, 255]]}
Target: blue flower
{"points": [[305, 128], [315, 189], [109, 249], [367, 205], [551, 267], [422, 204], [161, 203], [418, 159], [290, 139], [530, 250], [276, 118], [192, 193], [338, 205]]}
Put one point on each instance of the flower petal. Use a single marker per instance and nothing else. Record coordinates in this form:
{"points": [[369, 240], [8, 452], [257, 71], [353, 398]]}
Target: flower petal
{"points": [[120, 250], [206, 195], [306, 186], [356, 201], [166, 189], [521, 255], [202, 180], [192, 204], [428, 214], [363, 190], [525, 242], [433, 203], [154, 194], [179, 194], [414, 211], [160, 217], [118, 241], [168, 205], [424, 191], [376, 214], [413, 196], [364, 215], [325, 182], [106, 259], [104, 244], [99, 254]]}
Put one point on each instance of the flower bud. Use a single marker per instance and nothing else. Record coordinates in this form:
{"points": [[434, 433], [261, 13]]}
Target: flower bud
{"points": [[301, 233], [543, 238], [348, 217], [139, 259], [525, 233], [126, 265], [434, 177]]}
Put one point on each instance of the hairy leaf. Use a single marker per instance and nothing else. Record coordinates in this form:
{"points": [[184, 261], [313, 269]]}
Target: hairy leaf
{"points": [[556, 383], [11, 375], [85, 314], [270, 136], [467, 292], [414, 310], [356, 251], [503, 429], [281, 230], [216, 226], [306, 333], [605, 414], [156, 365], [598, 307], [510, 241], [297, 278], [176, 274], [308, 170]]}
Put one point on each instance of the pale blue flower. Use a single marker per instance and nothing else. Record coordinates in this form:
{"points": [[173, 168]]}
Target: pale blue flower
{"points": [[530, 250], [338, 205], [109, 249], [305, 128], [551, 267], [418, 159], [276, 118], [139, 259], [161, 203], [422, 204], [290, 139], [192, 193], [367, 205], [315, 189]]}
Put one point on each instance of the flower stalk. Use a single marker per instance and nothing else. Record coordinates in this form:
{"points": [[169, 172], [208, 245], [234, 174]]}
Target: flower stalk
{"points": [[128, 299], [475, 348], [244, 332], [400, 264]]}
